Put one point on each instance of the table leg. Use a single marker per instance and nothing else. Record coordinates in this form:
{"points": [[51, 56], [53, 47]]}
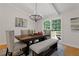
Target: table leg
{"points": [[33, 41], [42, 39], [26, 49]]}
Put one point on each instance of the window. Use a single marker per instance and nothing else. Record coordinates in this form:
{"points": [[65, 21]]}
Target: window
{"points": [[53, 25], [47, 25], [56, 25]]}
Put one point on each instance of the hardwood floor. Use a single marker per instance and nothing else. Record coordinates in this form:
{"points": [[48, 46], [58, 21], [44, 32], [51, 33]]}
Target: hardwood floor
{"points": [[71, 51], [3, 48]]}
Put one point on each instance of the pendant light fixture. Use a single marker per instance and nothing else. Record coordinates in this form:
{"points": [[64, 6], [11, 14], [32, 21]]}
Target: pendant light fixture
{"points": [[35, 16]]}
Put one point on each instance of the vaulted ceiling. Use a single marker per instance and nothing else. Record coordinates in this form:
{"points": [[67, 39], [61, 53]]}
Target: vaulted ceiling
{"points": [[47, 9]]}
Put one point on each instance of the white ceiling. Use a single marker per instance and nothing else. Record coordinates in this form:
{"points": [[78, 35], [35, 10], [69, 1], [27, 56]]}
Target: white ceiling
{"points": [[64, 7], [46, 9], [42, 8]]}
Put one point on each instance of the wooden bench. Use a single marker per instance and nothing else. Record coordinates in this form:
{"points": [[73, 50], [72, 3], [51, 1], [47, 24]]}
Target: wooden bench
{"points": [[44, 48]]}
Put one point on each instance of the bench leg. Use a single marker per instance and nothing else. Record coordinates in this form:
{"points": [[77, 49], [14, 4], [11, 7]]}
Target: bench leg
{"points": [[34, 54]]}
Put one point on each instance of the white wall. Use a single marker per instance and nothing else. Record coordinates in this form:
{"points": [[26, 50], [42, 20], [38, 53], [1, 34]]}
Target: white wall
{"points": [[7, 20], [69, 37]]}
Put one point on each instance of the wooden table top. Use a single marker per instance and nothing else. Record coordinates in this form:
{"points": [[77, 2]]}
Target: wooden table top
{"points": [[28, 37]]}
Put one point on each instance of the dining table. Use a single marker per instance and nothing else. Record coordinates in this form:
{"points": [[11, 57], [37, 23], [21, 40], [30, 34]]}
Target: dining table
{"points": [[27, 38]]}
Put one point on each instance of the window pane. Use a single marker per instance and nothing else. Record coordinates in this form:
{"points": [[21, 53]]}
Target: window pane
{"points": [[56, 25], [47, 25]]}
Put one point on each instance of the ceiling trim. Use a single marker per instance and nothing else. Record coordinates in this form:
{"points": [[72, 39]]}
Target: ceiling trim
{"points": [[56, 9]]}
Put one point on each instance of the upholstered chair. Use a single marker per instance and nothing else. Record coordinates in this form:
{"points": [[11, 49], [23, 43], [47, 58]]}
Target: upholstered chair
{"points": [[14, 48], [24, 32], [53, 35]]}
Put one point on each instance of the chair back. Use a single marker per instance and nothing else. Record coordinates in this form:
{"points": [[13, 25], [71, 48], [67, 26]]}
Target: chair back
{"points": [[53, 35], [10, 40], [47, 32], [24, 32]]}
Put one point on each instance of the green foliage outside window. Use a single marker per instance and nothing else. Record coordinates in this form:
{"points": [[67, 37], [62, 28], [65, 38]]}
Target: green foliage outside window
{"points": [[47, 25], [53, 25], [56, 25]]}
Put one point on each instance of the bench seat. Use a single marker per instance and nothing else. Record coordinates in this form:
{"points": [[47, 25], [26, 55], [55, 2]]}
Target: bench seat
{"points": [[43, 46]]}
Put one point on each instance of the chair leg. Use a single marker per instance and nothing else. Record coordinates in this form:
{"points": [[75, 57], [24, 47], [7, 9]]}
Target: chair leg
{"points": [[8, 53]]}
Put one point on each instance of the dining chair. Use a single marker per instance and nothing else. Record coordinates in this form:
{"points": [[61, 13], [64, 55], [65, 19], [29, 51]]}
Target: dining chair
{"points": [[47, 33], [14, 48], [24, 32], [53, 35]]}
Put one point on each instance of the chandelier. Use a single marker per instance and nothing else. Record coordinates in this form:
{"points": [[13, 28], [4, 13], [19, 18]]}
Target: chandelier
{"points": [[35, 16]]}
